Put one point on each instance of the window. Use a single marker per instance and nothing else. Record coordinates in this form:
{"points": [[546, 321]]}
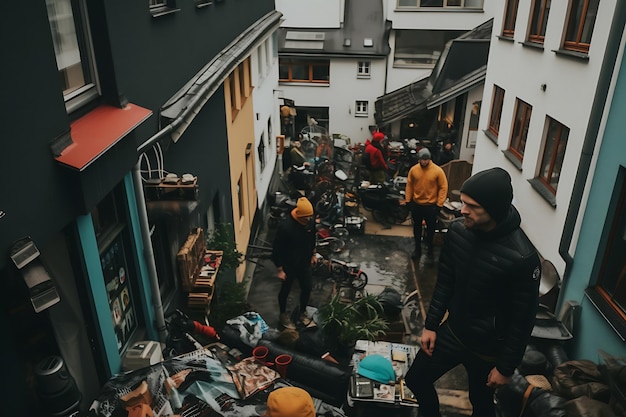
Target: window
{"points": [[539, 20], [308, 71], [239, 86], [261, 152], [470, 4], [510, 16], [421, 48], [363, 69], [582, 18], [520, 129], [496, 111], [360, 108], [240, 196], [69, 26], [553, 154], [609, 293]]}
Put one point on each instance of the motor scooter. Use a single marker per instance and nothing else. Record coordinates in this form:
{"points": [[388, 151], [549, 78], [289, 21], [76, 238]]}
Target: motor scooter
{"points": [[383, 200]]}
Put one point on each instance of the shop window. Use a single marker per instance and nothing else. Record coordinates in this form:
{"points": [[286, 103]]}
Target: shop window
{"points": [[113, 237], [539, 21], [510, 17], [73, 51], [304, 70], [496, 111], [608, 294], [421, 48], [553, 154], [520, 129]]}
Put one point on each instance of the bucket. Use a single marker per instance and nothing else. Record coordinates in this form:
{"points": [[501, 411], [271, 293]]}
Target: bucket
{"points": [[56, 387], [260, 354], [282, 362]]}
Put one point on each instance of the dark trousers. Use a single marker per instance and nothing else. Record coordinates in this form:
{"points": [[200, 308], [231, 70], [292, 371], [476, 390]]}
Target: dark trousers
{"points": [[448, 353], [421, 213], [305, 279]]}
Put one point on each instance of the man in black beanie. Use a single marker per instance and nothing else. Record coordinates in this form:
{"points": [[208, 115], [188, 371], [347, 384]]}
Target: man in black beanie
{"points": [[488, 283]]}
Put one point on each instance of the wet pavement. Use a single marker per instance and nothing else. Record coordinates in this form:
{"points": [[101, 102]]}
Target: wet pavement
{"points": [[384, 254]]}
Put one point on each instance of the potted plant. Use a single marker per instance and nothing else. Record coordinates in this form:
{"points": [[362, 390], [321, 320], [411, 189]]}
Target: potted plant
{"points": [[346, 323]]}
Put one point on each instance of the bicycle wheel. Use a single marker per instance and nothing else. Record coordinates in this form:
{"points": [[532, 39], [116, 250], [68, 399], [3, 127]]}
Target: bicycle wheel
{"points": [[384, 217], [335, 244], [359, 281], [401, 213]]}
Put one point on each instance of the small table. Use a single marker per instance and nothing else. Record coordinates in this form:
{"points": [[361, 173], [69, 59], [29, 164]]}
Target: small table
{"points": [[396, 396]]}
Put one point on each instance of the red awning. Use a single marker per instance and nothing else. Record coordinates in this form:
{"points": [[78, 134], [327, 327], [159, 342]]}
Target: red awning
{"points": [[97, 131]]}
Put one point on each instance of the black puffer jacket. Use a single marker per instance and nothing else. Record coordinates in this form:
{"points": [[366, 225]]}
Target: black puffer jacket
{"points": [[489, 283], [294, 245]]}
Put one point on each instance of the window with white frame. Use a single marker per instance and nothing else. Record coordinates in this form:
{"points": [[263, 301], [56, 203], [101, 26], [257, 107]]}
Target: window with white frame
{"points": [[72, 47], [360, 108], [468, 4], [421, 48], [363, 69]]}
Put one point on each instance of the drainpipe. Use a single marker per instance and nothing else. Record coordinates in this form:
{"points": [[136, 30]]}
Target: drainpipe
{"points": [[589, 144], [145, 230]]}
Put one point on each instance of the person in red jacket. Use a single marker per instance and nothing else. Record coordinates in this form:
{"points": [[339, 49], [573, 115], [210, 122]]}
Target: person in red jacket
{"points": [[377, 164]]}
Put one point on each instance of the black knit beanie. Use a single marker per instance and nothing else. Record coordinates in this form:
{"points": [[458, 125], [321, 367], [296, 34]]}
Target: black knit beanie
{"points": [[491, 189]]}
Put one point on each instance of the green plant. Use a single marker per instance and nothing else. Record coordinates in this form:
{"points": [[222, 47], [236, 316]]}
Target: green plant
{"points": [[221, 238], [349, 322]]}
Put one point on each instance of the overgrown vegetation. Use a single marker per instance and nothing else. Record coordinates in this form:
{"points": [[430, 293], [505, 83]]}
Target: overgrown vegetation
{"points": [[221, 238]]}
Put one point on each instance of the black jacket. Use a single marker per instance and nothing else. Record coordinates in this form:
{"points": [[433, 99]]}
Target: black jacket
{"points": [[489, 283], [294, 245]]}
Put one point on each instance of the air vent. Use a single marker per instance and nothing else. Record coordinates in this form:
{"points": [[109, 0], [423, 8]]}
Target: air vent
{"points": [[306, 36]]}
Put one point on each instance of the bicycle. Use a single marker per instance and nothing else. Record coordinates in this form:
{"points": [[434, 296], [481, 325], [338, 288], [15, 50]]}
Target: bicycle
{"points": [[343, 273]]}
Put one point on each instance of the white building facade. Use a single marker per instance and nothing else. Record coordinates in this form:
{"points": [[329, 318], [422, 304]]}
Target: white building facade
{"points": [[544, 65]]}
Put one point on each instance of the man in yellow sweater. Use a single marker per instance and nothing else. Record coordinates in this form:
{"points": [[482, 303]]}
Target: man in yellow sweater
{"points": [[426, 191]]}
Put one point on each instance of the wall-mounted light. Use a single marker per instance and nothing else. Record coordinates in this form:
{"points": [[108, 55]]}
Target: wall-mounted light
{"points": [[411, 125]]}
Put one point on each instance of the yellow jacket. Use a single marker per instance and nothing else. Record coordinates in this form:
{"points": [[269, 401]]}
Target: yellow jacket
{"points": [[427, 185]]}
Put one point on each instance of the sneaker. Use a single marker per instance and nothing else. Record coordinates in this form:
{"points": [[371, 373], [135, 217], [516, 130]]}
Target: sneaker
{"points": [[286, 322], [304, 319]]}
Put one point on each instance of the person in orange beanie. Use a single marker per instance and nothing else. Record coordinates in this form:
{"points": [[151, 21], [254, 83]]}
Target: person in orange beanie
{"points": [[289, 402], [293, 253]]}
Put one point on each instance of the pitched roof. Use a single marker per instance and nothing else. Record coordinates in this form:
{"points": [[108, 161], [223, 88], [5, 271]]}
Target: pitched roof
{"points": [[364, 33]]}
